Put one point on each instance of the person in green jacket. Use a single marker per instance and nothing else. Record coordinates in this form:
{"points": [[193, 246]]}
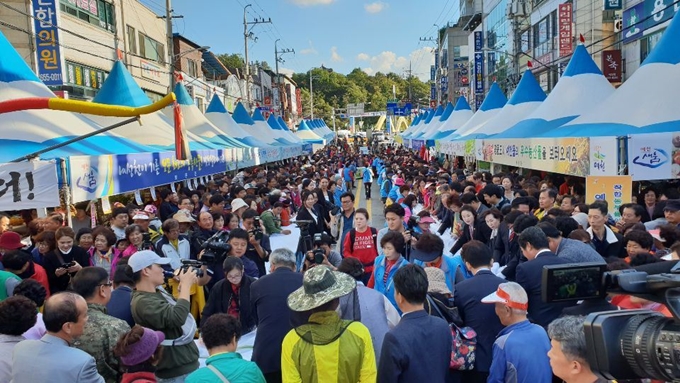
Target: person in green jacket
{"points": [[272, 221], [220, 334]]}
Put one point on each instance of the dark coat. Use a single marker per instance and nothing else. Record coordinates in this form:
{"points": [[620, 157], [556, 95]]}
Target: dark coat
{"points": [[220, 298], [501, 243], [316, 227], [417, 350], [52, 263], [466, 237], [480, 316], [268, 300], [529, 275]]}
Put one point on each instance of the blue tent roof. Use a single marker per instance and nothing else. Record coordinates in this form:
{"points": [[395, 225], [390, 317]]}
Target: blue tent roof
{"points": [[283, 123], [462, 104], [415, 120], [216, 106], [257, 115], [430, 116], [120, 88], [447, 112], [439, 111], [666, 50], [241, 115], [303, 126], [273, 123], [183, 97], [581, 63], [495, 99], [528, 90], [12, 66]]}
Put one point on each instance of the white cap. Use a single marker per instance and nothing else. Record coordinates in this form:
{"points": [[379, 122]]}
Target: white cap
{"points": [[141, 215], [511, 294], [145, 258], [238, 203]]}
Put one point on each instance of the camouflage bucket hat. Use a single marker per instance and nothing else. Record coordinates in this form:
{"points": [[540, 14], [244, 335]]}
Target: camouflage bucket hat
{"points": [[319, 286]]}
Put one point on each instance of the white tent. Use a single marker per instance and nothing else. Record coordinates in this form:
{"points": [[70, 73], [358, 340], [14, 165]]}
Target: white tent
{"points": [[307, 135]]}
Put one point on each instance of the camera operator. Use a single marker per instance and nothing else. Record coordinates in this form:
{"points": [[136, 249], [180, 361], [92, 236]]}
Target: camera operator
{"points": [[177, 247], [322, 254], [568, 353], [271, 218], [342, 223], [259, 247]]}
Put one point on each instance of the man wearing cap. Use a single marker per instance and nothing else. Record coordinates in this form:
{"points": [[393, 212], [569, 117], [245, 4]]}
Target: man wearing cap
{"points": [[141, 219], [418, 349], [513, 361], [672, 212], [154, 308], [326, 349], [429, 252], [185, 220]]}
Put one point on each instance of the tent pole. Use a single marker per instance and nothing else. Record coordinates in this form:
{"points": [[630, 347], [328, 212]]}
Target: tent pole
{"points": [[76, 139]]}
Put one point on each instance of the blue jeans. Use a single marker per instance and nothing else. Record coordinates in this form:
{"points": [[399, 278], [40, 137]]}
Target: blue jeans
{"points": [[177, 379]]}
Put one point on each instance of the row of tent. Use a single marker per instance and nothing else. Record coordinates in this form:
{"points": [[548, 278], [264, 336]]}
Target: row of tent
{"points": [[251, 136], [582, 104]]}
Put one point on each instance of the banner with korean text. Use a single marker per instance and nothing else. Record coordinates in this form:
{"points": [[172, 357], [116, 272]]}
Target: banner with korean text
{"points": [[654, 156], [464, 148], [93, 177], [28, 185], [616, 190], [558, 155]]}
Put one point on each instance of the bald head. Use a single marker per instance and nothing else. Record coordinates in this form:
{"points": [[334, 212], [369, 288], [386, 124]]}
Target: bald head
{"points": [[205, 220], [62, 309]]}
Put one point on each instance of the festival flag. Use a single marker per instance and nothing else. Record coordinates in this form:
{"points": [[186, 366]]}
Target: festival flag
{"points": [[181, 142]]}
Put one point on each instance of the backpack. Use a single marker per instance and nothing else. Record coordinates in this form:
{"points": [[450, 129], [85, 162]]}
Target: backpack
{"points": [[464, 342], [353, 237]]}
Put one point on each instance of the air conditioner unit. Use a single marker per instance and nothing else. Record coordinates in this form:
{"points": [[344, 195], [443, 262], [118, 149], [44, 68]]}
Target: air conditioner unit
{"points": [[518, 8]]}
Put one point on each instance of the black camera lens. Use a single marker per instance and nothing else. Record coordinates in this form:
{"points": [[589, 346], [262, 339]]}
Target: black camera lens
{"points": [[648, 344]]}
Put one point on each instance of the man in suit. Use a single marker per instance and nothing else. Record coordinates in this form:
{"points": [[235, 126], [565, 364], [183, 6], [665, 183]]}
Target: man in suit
{"points": [[570, 250], [481, 317], [51, 359], [535, 247], [419, 348], [268, 297]]}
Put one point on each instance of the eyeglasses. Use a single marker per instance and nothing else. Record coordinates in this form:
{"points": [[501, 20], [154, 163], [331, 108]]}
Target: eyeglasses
{"points": [[235, 277], [107, 284]]}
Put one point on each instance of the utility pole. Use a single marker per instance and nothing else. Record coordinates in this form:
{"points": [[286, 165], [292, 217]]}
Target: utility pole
{"points": [[171, 54], [436, 64], [311, 95], [278, 52], [249, 35]]}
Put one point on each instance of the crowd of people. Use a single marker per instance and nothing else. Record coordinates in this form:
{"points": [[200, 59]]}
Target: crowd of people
{"points": [[449, 290]]}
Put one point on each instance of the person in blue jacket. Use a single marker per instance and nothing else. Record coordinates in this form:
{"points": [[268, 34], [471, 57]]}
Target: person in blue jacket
{"points": [[368, 181], [385, 187], [394, 194], [428, 251], [386, 265]]}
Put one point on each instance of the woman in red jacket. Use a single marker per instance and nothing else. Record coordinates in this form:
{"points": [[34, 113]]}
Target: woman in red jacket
{"points": [[361, 243]]}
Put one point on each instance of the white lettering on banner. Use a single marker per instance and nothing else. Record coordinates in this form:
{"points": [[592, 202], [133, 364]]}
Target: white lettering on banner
{"points": [[135, 169], [28, 185], [659, 8]]}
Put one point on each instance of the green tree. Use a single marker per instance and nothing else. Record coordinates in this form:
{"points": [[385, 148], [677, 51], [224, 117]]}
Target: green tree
{"points": [[232, 61]]}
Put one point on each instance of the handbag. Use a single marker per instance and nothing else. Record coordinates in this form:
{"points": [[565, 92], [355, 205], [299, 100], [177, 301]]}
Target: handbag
{"points": [[463, 345]]}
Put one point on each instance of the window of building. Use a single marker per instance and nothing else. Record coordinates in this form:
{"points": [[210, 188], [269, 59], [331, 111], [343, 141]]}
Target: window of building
{"points": [[151, 49], [84, 80], [192, 68], [96, 12], [648, 43], [132, 40]]}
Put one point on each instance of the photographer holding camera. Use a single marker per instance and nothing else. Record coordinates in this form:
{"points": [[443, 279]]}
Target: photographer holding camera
{"points": [[322, 254], [259, 247], [342, 223]]}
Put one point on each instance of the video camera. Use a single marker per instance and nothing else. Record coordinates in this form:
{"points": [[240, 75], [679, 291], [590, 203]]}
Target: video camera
{"points": [[216, 248], [318, 252], [625, 344], [411, 226], [188, 263], [332, 208], [257, 229]]}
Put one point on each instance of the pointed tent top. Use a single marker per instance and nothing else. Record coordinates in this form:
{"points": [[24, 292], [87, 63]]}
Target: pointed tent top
{"points": [[439, 111], [183, 97], [581, 63], [495, 99], [273, 123], [120, 88], [12, 66], [241, 115], [257, 115], [528, 90], [430, 116], [666, 50], [416, 120], [283, 123], [303, 126], [447, 112], [462, 104], [216, 105]]}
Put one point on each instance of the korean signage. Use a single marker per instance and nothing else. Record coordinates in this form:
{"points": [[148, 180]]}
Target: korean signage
{"points": [[646, 15], [150, 70], [433, 92], [659, 11], [564, 21], [479, 73], [81, 75], [611, 65], [94, 177], [45, 15], [436, 59], [654, 156], [458, 148], [616, 190], [613, 5], [479, 41], [28, 185], [86, 5], [559, 155], [432, 73], [604, 158], [445, 83], [633, 23]]}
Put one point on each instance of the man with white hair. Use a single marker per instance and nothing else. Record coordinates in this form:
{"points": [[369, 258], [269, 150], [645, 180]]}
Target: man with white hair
{"points": [[568, 353], [513, 361]]}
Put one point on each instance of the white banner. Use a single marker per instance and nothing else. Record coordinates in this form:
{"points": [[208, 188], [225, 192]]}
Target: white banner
{"points": [[652, 156], [28, 185], [604, 159]]}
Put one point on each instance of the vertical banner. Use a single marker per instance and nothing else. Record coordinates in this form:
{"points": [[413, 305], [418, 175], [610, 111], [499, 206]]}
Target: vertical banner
{"points": [[616, 190], [47, 41], [479, 41], [633, 23], [564, 22], [604, 159], [479, 73], [28, 185], [654, 156], [611, 65]]}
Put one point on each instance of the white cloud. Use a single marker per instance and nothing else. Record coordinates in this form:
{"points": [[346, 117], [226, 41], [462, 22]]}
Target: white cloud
{"points": [[334, 55], [376, 7], [309, 51], [310, 3], [388, 61]]}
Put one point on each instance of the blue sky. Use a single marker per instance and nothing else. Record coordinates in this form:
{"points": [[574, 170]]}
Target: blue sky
{"points": [[375, 35]]}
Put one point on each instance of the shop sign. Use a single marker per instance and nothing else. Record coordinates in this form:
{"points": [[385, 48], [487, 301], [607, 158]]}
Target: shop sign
{"points": [[45, 16], [611, 65], [479, 41], [613, 5], [479, 73], [616, 190], [564, 23]]}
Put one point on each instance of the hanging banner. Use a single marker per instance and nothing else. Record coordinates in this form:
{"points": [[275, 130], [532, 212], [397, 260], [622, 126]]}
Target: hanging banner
{"points": [[98, 176], [616, 190], [558, 155], [479, 73], [458, 148], [564, 24], [654, 156], [48, 49], [604, 159], [28, 185]]}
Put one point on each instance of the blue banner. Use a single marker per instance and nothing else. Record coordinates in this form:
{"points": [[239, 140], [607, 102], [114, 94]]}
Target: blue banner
{"points": [[436, 59], [479, 73], [610, 5], [47, 41], [659, 11], [95, 177], [479, 41], [633, 26], [433, 92], [432, 73]]}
